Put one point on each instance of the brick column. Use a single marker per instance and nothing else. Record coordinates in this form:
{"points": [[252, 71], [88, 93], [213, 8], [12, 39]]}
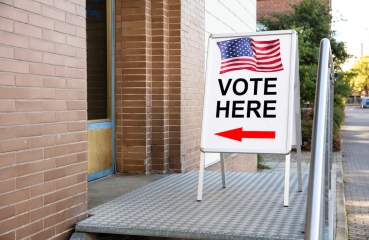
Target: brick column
{"points": [[160, 128], [133, 52]]}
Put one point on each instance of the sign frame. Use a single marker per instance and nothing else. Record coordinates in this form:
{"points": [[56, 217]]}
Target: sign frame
{"points": [[292, 74]]}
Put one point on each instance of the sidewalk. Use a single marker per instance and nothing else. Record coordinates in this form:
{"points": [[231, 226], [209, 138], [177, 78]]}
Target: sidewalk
{"points": [[355, 133]]}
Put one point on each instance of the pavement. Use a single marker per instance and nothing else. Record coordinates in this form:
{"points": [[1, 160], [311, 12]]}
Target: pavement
{"points": [[355, 158]]}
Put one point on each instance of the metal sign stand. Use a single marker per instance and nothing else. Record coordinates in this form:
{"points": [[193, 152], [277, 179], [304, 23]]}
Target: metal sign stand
{"points": [[293, 118]]}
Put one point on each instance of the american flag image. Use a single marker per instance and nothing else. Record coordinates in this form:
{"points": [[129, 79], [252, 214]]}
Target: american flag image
{"points": [[248, 54]]}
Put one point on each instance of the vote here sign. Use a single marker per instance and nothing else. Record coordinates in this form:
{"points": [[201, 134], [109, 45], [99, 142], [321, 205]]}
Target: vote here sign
{"points": [[249, 93]]}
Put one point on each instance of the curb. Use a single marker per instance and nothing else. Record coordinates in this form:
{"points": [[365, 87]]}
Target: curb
{"points": [[341, 219]]}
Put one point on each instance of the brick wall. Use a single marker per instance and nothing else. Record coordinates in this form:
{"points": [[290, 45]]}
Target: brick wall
{"points": [[42, 118], [237, 163], [159, 84], [267, 7]]}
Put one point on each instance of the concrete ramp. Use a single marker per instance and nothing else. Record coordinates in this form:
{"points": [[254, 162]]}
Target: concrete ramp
{"points": [[251, 207]]}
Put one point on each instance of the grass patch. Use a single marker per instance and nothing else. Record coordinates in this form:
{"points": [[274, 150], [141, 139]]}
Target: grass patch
{"points": [[261, 163]]}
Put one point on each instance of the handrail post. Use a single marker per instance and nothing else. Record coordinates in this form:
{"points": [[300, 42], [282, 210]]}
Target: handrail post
{"points": [[316, 204]]}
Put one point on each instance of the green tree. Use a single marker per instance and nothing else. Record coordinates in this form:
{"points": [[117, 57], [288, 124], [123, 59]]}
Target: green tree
{"points": [[311, 19], [360, 70]]}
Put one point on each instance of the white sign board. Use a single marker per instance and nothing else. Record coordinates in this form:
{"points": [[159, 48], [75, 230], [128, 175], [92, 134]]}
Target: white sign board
{"points": [[249, 93]]}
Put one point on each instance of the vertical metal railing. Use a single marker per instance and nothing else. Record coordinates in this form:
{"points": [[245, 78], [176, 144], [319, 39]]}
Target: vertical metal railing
{"points": [[318, 202]]}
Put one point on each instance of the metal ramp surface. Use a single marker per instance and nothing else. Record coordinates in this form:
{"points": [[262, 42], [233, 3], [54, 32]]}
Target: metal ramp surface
{"points": [[251, 207]]}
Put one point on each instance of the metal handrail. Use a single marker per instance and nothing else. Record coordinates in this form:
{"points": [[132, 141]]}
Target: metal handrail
{"points": [[321, 147]]}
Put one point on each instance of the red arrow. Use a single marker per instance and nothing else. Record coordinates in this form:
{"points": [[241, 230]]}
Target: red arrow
{"points": [[237, 134]]}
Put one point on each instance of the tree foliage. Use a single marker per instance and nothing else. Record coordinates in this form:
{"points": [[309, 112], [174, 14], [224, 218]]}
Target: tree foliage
{"points": [[311, 19], [360, 72]]}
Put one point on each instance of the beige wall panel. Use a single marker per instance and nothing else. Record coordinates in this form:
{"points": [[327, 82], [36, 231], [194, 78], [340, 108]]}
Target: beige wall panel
{"points": [[99, 149]]}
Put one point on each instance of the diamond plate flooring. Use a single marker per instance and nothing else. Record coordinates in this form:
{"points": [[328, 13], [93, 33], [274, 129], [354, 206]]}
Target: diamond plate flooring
{"points": [[251, 207]]}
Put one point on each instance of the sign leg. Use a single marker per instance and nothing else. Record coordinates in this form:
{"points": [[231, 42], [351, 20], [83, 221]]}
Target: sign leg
{"points": [[222, 166], [201, 176], [299, 174], [287, 180]]}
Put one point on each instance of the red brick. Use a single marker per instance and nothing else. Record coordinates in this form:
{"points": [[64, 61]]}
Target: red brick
{"points": [[6, 25], [81, 32], [7, 212], [13, 145], [15, 171], [76, 63], [77, 168], [30, 229], [13, 40], [7, 159], [14, 119], [82, 177], [42, 189], [29, 6], [66, 116], [81, 74], [77, 105], [55, 219], [67, 182], [43, 141], [55, 196], [15, 197], [31, 130], [28, 205], [55, 105], [65, 28], [14, 93], [7, 133], [41, 22], [74, 20], [54, 174], [28, 81], [14, 223], [30, 56], [42, 70], [65, 50], [76, 42], [65, 72], [14, 66], [55, 128], [77, 210], [6, 52], [42, 46], [6, 106], [47, 2], [54, 59], [7, 186], [13, 13], [82, 95], [54, 36], [6, 79], [82, 115], [43, 93], [77, 126], [81, 11], [42, 165], [65, 225], [31, 155], [82, 157], [28, 106], [55, 152], [29, 180], [65, 6], [66, 160], [27, 30], [54, 82], [8, 236], [45, 234], [77, 147], [65, 95], [77, 189], [44, 117], [42, 212], [53, 13], [71, 137]]}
